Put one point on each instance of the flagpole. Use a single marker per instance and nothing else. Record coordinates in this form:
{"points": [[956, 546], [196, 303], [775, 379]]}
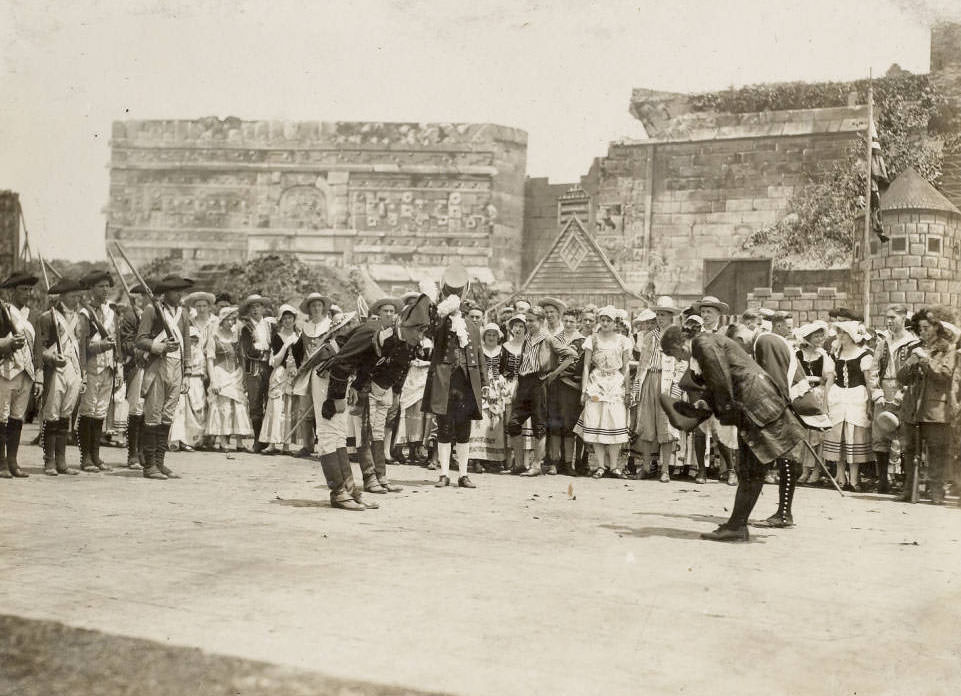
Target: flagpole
{"points": [[866, 242]]}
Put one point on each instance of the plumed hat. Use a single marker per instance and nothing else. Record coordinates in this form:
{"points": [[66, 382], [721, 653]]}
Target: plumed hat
{"points": [[455, 281], [417, 314], [96, 276], [19, 278]]}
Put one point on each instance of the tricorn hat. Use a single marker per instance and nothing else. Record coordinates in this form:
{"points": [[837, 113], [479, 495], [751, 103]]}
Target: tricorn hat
{"points": [[681, 414], [173, 282], [139, 289], [455, 281], [96, 276], [19, 278], [65, 284], [416, 314]]}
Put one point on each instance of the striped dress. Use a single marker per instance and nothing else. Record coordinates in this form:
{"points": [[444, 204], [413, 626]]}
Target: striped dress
{"points": [[850, 438], [604, 418]]}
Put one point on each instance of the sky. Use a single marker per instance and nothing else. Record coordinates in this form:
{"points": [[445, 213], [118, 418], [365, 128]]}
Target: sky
{"points": [[562, 71]]}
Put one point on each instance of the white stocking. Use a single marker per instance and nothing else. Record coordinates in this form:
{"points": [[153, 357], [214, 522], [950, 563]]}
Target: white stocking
{"points": [[443, 458], [463, 451]]}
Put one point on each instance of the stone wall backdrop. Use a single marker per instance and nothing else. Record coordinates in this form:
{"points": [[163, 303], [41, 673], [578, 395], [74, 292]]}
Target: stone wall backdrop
{"points": [[402, 199]]}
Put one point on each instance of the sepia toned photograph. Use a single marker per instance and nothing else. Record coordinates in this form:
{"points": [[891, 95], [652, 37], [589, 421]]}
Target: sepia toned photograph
{"points": [[492, 348]]}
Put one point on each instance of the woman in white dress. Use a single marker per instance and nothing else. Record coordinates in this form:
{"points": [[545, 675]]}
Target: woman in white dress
{"points": [[487, 437], [227, 414], [849, 402], [819, 369], [278, 416], [605, 393]]}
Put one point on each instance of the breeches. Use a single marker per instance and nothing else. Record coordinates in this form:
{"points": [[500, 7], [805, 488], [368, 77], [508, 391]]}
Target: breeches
{"points": [[14, 396], [60, 397], [256, 386], [160, 399], [380, 401], [331, 434], [95, 399], [449, 430]]}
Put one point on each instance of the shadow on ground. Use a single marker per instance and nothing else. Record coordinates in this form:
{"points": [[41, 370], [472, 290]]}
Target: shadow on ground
{"points": [[40, 658]]}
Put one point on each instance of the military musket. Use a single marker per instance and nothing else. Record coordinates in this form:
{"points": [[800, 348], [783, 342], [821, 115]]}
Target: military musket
{"points": [[148, 292], [46, 282]]}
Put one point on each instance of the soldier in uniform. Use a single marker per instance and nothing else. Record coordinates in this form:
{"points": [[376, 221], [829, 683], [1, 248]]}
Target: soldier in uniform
{"points": [[164, 336], [308, 386], [97, 333], [58, 357], [134, 360], [17, 369], [378, 357], [255, 348]]}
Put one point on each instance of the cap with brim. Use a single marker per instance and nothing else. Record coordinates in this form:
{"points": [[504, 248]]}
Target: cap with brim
{"points": [[199, 295], [251, 300], [286, 309], [18, 279], [383, 302], [851, 328], [226, 312], [535, 312], [493, 327], [694, 319], [64, 285], [665, 304], [608, 312], [314, 297], [765, 313], [96, 276], [517, 318], [173, 282], [713, 303], [552, 302], [645, 315], [335, 309], [806, 330], [409, 297], [522, 305]]}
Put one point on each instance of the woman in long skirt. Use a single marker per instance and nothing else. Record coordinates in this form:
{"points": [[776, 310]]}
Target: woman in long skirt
{"points": [[849, 442], [227, 415], [487, 437], [605, 393], [190, 418], [279, 414], [513, 352], [819, 369]]}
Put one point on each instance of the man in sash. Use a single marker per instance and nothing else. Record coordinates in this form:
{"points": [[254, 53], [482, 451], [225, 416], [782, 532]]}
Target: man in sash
{"points": [[134, 360], [163, 334], [255, 348], [309, 387], [59, 364], [17, 369], [97, 333]]}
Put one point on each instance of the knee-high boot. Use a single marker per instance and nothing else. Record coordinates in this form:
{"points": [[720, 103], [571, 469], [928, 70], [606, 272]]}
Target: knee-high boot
{"points": [[148, 441], [134, 432], [60, 448], [355, 491], [14, 430], [883, 460], [787, 481], [49, 441], [96, 432], [160, 450], [380, 467], [3, 452], [83, 444]]}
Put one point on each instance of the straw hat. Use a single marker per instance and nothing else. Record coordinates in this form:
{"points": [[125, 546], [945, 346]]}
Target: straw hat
{"points": [[666, 304], [314, 297], [712, 302], [198, 295], [251, 300]]}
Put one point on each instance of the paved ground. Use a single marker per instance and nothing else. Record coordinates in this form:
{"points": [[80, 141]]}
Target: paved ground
{"points": [[518, 587]]}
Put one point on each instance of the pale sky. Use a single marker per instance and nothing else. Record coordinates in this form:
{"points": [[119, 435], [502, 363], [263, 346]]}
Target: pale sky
{"points": [[562, 71]]}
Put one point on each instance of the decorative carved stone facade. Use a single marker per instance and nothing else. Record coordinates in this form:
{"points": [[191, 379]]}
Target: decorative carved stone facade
{"points": [[405, 198]]}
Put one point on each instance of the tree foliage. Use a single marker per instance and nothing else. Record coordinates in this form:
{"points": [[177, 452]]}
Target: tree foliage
{"points": [[916, 124]]}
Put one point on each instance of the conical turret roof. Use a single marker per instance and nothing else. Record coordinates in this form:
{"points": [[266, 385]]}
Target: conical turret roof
{"points": [[910, 191]]}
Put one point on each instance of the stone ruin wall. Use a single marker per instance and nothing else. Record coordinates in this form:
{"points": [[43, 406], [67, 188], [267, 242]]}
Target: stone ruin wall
{"points": [[411, 195]]}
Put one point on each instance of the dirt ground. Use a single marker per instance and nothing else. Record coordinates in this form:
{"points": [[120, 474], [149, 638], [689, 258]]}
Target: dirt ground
{"points": [[523, 586]]}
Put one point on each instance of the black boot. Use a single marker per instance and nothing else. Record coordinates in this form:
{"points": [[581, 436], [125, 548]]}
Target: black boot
{"points": [[14, 429], [340, 497], [380, 467], [735, 529], [259, 446], [787, 481], [83, 444], [883, 460], [48, 439], [148, 441], [96, 433], [134, 431], [160, 450], [60, 448], [3, 451]]}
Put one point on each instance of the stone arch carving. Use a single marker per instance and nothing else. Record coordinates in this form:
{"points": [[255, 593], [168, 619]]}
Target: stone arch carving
{"points": [[301, 207]]}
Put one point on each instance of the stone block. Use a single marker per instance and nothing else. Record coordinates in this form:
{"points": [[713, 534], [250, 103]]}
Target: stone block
{"points": [[927, 286], [917, 272], [884, 273], [918, 248], [930, 262], [824, 305], [914, 297], [766, 292], [911, 260], [897, 297], [802, 305], [900, 273], [828, 292], [793, 291]]}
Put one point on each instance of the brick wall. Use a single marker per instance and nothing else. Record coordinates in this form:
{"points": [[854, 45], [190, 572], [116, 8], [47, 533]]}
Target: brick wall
{"points": [[803, 306]]}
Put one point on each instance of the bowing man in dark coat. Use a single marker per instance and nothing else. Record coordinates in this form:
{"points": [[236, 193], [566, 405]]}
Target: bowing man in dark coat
{"points": [[455, 378], [739, 392]]}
